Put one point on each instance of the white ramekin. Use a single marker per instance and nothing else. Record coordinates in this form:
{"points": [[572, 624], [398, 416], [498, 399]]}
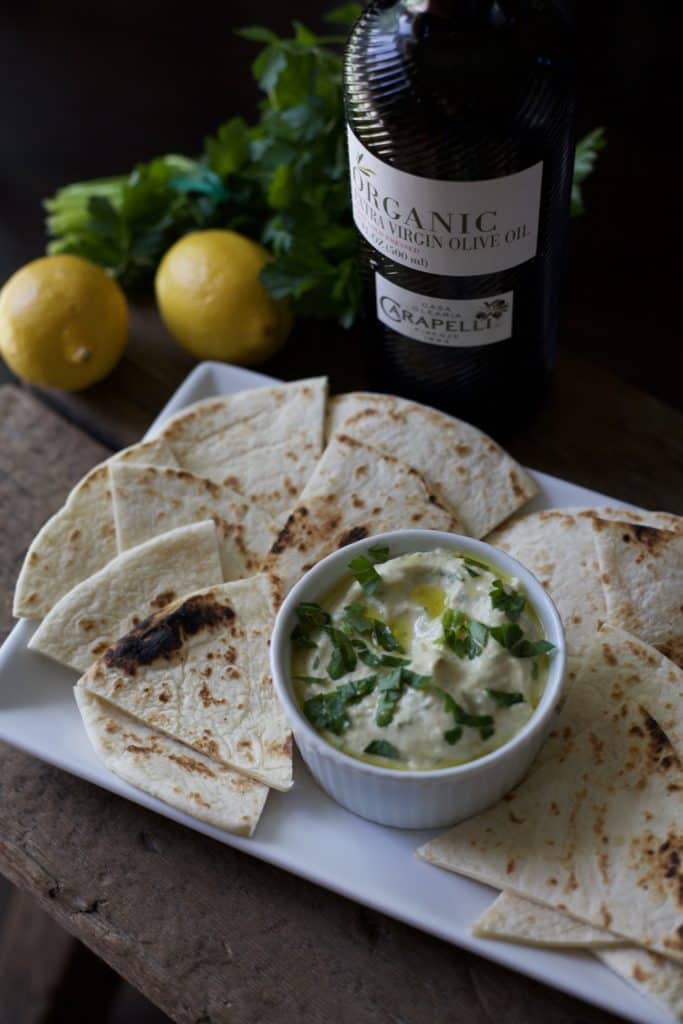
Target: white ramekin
{"points": [[416, 799]]}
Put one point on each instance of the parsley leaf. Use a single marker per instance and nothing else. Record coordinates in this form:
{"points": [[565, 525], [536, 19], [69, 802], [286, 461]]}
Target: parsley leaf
{"points": [[380, 554], [505, 699], [365, 573], [511, 636], [311, 680], [312, 615], [328, 710], [384, 637], [354, 618], [464, 636], [382, 748], [509, 601], [302, 639], [343, 659], [372, 659], [453, 735], [390, 689]]}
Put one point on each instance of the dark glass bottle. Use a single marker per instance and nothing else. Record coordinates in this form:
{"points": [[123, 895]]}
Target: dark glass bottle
{"points": [[460, 117]]}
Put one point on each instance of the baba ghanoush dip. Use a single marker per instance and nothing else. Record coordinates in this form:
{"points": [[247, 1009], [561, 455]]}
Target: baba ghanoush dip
{"points": [[423, 661]]}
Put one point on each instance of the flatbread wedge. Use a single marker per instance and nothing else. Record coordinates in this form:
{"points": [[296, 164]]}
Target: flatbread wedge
{"points": [[355, 492], [199, 673], [170, 771], [558, 546], [513, 919], [134, 585], [149, 500], [79, 538], [596, 829], [470, 474], [641, 571], [218, 438]]}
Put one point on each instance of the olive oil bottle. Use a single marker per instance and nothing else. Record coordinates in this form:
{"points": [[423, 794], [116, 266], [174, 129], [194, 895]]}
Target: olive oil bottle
{"points": [[460, 133]]}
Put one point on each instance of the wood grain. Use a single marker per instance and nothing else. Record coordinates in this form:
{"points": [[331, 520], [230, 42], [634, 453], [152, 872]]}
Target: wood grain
{"points": [[209, 934]]}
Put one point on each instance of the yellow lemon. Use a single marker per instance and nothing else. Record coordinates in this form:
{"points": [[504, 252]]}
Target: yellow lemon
{"points": [[212, 301], [63, 323]]}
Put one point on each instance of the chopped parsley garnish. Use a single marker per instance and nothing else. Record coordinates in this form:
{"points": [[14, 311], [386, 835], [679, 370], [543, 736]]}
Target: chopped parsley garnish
{"points": [[312, 615], [374, 660], [466, 637], [505, 699], [311, 680], [484, 723], [384, 637], [390, 689], [364, 571], [472, 563], [355, 619], [382, 748], [417, 682], [509, 601], [453, 735], [301, 639], [344, 657], [511, 637], [328, 710]]}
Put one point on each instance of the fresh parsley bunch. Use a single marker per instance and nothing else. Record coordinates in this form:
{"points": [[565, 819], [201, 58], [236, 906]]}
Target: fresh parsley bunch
{"points": [[282, 180]]}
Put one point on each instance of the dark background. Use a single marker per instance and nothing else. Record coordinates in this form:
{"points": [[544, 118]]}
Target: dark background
{"points": [[89, 90]]}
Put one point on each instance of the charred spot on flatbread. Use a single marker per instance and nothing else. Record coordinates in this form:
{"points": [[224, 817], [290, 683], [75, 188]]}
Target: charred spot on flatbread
{"points": [[155, 639]]}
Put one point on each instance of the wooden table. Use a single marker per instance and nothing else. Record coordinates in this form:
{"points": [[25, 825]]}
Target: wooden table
{"points": [[208, 934]]}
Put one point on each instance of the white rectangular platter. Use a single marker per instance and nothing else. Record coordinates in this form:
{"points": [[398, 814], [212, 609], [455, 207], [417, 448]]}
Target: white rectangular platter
{"points": [[303, 831]]}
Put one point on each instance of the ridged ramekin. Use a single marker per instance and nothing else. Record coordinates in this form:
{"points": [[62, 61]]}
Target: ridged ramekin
{"points": [[416, 799]]}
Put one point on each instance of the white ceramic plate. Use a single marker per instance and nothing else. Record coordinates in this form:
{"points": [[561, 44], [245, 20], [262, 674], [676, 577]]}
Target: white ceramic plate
{"points": [[303, 831]]}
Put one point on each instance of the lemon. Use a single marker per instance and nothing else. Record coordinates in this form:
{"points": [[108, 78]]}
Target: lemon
{"points": [[212, 301], [63, 323]]}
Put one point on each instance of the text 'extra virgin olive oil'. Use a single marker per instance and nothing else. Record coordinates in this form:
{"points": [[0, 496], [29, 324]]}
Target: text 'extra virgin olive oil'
{"points": [[461, 145]]}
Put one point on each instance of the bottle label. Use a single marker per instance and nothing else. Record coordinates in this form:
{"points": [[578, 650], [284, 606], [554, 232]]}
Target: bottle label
{"points": [[457, 323], [448, 228]]}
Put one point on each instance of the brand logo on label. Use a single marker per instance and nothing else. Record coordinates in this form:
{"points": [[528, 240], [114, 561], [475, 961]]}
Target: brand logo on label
{"points": [[452, 322]]}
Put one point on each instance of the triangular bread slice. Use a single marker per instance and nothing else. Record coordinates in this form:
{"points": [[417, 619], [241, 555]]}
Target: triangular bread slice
{"points": [[472, 476], [558, 546], [80, 537], [596, 828], [264, 442], [133, 586], [149, 500], [641, 571], [199, 672], [170, 771], [355, 492]]}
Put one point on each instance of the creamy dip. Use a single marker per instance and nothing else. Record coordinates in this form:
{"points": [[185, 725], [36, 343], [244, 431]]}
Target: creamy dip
{"points": [[418, 662]]}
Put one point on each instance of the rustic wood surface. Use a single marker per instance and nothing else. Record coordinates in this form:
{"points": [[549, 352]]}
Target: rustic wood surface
{"points": [[209, 934]]}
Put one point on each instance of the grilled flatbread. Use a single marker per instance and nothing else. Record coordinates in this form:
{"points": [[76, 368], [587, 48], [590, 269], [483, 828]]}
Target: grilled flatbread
{"points": [[471, 475], [355, 492], [149, 500], [558, 546], [134, 585], [263, 443], [80, 538], [641, 571], [170, 771], [199, 673], [596, 829], [514, 919]]}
